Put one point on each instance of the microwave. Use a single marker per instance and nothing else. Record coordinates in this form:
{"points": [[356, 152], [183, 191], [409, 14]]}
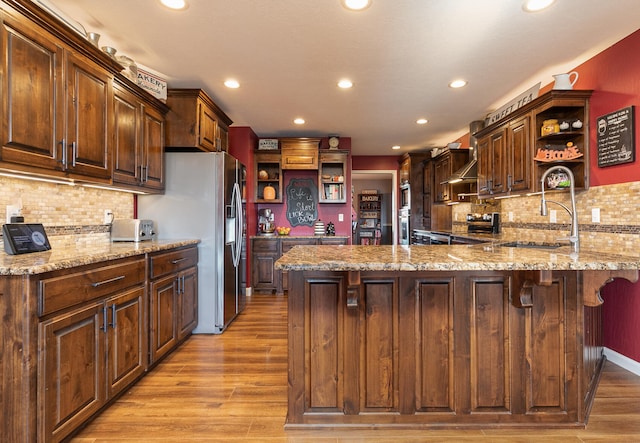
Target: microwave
{"points": [[405, 196]]}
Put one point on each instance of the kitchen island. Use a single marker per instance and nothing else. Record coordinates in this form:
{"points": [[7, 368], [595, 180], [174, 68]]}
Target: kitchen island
{"points": [[449, 336]]}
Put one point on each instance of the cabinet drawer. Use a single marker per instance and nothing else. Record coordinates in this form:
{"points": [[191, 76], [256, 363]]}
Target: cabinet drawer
{"points": [[288, 244], [263, 245], [64, 289], [173, 261]]}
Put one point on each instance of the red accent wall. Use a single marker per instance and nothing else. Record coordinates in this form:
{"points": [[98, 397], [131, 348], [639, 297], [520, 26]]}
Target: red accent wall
{"points": [[614, 76]]}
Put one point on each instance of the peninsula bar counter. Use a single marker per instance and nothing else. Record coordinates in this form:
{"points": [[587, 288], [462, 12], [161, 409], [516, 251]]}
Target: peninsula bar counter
{"points": [[446, 336]]}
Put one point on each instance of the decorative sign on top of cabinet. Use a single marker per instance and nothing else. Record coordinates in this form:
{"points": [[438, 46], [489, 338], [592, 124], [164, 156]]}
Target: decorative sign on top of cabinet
{"points": [[195, 122], [514, 152], [299, 153]]}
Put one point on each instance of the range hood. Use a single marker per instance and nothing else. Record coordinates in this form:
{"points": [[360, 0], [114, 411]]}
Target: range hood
{"points": [[469, 172]]}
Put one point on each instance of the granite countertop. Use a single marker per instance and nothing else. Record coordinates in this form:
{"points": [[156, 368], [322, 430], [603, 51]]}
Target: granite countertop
{"points": [[275, 236], [484, 256], [70, 255]]}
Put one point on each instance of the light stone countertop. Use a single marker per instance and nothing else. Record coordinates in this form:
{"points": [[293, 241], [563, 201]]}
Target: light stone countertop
{"points": [[77, 254], [484, 257]]}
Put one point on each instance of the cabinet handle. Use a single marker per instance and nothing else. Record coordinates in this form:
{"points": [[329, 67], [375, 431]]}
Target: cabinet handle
{"points": [[178, 260], [104, 320], [74, 153], [104, 282], [113, 316], [63, 160], [509, 182]]}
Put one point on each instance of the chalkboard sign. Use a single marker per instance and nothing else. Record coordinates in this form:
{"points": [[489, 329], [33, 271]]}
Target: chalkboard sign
{"points": [[616, 138], [302, 202]]}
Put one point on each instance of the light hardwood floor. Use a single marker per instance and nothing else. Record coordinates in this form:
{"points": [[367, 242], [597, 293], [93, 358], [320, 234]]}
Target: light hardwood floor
{"points": [[232, 388]]}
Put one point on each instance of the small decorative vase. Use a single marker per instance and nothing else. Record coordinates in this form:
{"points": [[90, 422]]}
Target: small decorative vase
{"points": [[318, 228], [269, 192]]}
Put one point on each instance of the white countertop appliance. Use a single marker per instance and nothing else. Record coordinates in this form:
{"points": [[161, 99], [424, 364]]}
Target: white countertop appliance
{"points": [[132, 229]]}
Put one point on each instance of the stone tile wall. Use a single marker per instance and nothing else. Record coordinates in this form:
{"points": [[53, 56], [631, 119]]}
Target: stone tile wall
{"points": [[619, 227], [64, 209]]}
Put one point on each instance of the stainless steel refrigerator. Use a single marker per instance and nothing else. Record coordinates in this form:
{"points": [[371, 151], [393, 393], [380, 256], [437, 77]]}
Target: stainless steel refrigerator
{"points": [[203, 199]]}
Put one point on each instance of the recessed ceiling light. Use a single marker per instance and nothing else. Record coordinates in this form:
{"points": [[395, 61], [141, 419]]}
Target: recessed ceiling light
{"points": [[356, 5], [396, 147], [175, 4], [422, 121], [231, 83], [457, 84], [299, 121], [536, 5], [345, 83]]}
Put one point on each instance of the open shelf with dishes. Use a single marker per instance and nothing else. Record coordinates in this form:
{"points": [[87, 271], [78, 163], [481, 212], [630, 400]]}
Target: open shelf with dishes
{"points": [[561, 128], [332, 167]]}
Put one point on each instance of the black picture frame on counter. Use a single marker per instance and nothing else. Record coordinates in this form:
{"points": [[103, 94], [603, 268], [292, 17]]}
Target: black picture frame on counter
{"points": [[23, 238], [616, 137]]}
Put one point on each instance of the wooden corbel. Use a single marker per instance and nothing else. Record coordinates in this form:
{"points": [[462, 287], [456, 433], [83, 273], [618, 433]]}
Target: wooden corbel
{"points": [[526, 283], [594, 281], [353, 289]]}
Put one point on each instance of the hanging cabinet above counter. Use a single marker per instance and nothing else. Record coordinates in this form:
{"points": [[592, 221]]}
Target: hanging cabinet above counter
{"points": [[195, 122], [514, 153]]}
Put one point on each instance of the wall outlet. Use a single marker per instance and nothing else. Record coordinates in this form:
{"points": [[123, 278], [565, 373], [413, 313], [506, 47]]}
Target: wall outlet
{"points": [[510, 216], [553, 216], [595, 215], [340, 217], [13, 211], [108, 216]]}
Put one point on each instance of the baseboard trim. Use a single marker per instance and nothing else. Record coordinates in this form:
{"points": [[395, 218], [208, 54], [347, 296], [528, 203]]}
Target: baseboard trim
{"points": [[622, 361]]}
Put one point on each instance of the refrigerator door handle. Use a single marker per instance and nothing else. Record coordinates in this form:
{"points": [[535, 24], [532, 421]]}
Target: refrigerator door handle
{"points": [[237, 241]]}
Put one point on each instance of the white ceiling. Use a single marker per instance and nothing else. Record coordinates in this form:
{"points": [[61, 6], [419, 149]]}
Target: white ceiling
{"points": [[400, 54]]}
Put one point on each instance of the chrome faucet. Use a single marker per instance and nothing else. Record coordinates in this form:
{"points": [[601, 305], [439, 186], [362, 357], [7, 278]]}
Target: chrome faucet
{"points": [[574, 238]]}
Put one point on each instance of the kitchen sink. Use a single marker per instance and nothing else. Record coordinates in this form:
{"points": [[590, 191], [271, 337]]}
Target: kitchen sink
{"points": [[533, 245]]}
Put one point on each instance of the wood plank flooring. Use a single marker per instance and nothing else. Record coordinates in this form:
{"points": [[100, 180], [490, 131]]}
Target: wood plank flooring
{"points": [[232, 388]]}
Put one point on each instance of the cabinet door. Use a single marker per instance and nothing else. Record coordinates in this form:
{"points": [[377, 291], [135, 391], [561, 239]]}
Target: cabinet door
{"points": [[492, 163], [153, 149], [89, 96], [207, 127], [163, 311], [441, 172], [32, 96], [127, 129], [71, 384], [187, 302], [126, 340], [263, 274], [519, 156]]}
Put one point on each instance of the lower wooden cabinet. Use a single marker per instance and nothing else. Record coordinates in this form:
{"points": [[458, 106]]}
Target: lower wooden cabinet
{"points": [[265, 251], [74, 339], [440, 349], [89, 352], [173, 299]]}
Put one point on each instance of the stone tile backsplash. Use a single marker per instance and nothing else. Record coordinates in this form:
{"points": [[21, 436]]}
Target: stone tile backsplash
{"points": [[619, 225], [64, 209]]}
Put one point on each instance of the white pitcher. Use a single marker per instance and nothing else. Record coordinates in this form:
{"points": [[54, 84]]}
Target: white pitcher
{"points": [[563, 81]]}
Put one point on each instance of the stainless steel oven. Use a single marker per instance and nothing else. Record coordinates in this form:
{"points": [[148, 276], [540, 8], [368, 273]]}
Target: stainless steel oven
{"points": [[405, 196], [405, 230]]}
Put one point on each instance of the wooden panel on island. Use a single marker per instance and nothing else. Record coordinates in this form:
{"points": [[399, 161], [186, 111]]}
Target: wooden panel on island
{"points": [[434, 349]]}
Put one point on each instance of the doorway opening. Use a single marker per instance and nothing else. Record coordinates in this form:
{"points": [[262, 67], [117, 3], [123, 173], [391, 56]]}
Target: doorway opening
{"points": [[386, 183]]}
